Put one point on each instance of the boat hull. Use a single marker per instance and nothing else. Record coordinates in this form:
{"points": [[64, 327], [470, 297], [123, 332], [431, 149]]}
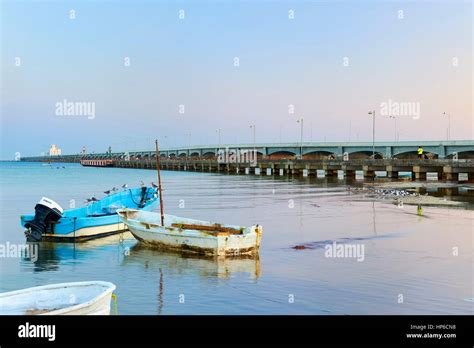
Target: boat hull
{"points": [[87, 233], [79, 298], [96, 220], [192, 241], [202, 245]]}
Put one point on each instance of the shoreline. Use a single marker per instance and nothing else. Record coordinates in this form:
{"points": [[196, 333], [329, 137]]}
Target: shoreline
{"points": [[369, 193]]}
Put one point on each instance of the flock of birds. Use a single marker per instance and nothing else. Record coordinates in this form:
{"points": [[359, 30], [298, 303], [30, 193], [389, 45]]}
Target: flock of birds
{"points": [[395, 193], [385, 193], [114, 189]]}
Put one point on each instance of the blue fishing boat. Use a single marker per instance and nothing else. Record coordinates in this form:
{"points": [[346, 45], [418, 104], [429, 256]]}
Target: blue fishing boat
{"points": [[97, 219]]}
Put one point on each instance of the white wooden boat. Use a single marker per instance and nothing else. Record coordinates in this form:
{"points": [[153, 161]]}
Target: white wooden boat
{"points": [[195, 236], [79, 298]]}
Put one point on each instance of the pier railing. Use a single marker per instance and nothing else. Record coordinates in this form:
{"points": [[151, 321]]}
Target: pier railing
{"points": [[445, 168], [449, 169]]}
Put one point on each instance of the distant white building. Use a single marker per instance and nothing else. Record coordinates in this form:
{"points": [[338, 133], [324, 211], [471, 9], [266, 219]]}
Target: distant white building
{"points": [[54, 150]]}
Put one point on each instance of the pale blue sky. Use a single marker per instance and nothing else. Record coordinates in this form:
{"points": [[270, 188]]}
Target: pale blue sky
{"points": [[191, 62]]}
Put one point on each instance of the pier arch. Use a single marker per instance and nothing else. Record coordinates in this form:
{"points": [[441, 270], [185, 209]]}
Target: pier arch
{"points": [[209, 154], [319, 155], [364, 154], [272, 150], [414, 155], [462, 155], [281, 155]]}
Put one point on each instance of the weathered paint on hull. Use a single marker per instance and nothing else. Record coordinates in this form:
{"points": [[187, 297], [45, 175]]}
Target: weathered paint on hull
{"points": [[85, 234], [203, 246], [146, 227], [195, 249]]}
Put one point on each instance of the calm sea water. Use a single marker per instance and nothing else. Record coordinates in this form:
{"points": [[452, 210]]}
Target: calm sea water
{"points": [[407, 256]]}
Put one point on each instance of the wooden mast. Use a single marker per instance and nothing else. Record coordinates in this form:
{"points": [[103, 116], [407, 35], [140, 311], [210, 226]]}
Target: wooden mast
{"points": [[159, 184]]}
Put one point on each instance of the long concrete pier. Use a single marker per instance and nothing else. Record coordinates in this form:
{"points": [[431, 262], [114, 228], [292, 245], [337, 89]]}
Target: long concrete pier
{"points": [[442, 169], [461, 149], [449, 160]]}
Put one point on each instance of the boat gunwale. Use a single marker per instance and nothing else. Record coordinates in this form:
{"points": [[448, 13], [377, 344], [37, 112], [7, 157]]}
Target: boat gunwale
{"points": [[175, 231], [109, 288]]}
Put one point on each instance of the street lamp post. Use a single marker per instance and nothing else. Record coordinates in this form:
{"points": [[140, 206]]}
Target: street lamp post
{"points": [[396, 133], [253, 126], [301, 137], [350, 130], [373, 132], [448, 131], [218, 130]]}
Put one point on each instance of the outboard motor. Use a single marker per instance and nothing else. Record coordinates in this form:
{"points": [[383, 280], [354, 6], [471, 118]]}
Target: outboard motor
{"points": [[142, 197], [47, 212]]}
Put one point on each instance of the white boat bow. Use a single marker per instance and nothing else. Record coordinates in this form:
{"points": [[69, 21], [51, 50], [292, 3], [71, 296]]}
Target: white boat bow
{"points": [[78, 298]]}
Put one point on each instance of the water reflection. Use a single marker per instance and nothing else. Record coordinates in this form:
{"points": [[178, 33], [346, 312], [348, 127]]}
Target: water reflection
{"points": [[456, 193], [51, 255], [48, 259], [177, 263], [160, 293]]}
